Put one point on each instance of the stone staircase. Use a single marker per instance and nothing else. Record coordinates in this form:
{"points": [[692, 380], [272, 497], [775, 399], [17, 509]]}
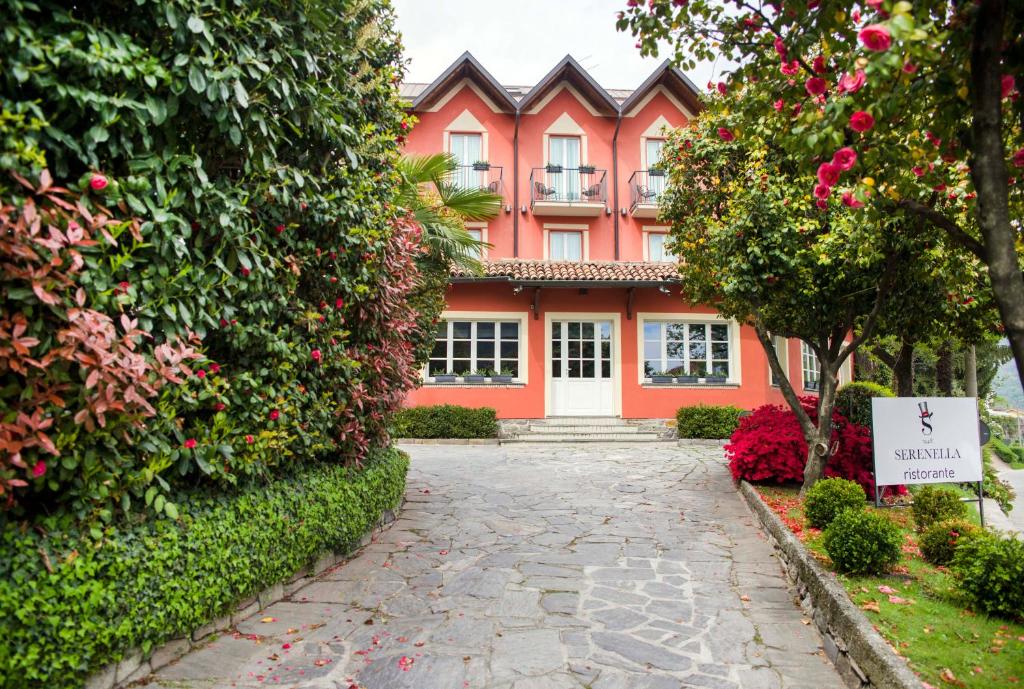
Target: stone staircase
{"points": [[581, 429]]}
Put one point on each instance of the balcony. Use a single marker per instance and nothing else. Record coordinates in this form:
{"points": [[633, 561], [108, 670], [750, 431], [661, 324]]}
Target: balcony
{"points": [[645, 190], [578, 192], [486, 177]]}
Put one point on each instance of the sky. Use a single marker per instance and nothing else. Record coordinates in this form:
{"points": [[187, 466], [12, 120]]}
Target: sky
{"points": [[519, 41]]}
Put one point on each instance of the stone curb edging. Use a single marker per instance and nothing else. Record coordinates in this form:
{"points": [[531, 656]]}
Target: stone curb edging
{"points": [[134, 666], [702, 442], [860, 654], [447, 441]]}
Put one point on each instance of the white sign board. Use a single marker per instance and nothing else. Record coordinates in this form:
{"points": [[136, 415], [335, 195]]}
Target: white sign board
{"points": [[926, 440]]}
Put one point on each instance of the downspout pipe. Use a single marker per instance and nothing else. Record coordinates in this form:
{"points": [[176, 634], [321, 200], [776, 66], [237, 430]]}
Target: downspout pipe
{"points": [[615, 179], [515, 189]]}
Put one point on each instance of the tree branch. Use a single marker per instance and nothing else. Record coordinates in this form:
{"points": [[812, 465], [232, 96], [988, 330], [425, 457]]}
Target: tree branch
{"points": [[956, 233], [792, 399]]}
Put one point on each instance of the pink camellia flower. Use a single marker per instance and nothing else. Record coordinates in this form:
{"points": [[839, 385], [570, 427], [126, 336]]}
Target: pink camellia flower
{"points": [[722, 88], [779, 105], [39, 469], [939, 187], [124, 285], [818, 65], [223, 323], [275, 415], [245, 272], [816, 86], [790, 68], [200, 374], [861, 121], [813, 4], [249, 439], [317, 355], [724, 134], [1018, 158], [828, 174], [875, 37], [850, 200], [339, 303], [851, 83], [711, 85], [845, 158], [190, 443], [279, 229], [1007, 84], [98, 182], [797, 107], [780, 48], [874, 4], [934, 140], [918, 171], [822, 204], [822, 191], [855, 16], [219, 406], [214, 368], [909, 67]]}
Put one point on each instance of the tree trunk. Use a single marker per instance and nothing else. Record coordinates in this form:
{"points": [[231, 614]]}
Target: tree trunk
{"points": [[819, 439], [903, 370], [971, 372], [944, 371], [988, 171]]}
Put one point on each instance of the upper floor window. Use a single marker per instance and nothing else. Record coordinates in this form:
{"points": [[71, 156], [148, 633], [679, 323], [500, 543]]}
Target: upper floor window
{"points": [[565, 246], [482, 346], [687, 349], [655, 181], [564, 153], [809, 366], [478, 235], [657, 250], [467, 149]]}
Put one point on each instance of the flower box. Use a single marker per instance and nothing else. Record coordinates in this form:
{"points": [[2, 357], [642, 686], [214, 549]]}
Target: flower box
{"points": [[474, 378], [661, 380], [587, 169], [687, 379], [554, 168], [715, 380], [481, 166], [444, 378], [656, 173], [501, 379]]}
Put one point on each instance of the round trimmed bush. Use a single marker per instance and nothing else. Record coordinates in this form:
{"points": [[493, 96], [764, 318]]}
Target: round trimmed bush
{"points": [[940, 540], [863, 542], [828, 497], [990, 571], [853, 400], [932, 505]]}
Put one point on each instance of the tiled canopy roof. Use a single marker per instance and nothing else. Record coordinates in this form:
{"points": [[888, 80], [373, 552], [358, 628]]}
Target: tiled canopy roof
{"points": [[570, 271]]}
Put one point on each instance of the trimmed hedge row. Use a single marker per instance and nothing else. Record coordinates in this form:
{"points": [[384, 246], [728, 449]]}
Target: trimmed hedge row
{"points": [[70, 604], [446, 421], [707, 421]]}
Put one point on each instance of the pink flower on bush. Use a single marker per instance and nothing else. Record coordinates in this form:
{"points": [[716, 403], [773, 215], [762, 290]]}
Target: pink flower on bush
{"points": [[780, 48], [779, 105], [245, 272], [39, 469], [918, 171], [123, 285], [724, 134], [317, 355], [850, 200], [214, 368], [1018, 158], [790, 68], [934, 140], [200, 374], [819, 65], [339, 303], [279, 229], [822, 191], [722, 88], [1007, 85], [828, 174], [851, 83], [874, 4], [861, 121], [190, 443], [875, 37], [845, 158], [821, 203], [816, 86], [97, 182], [249, 439], [275, 415], [909, 68]]}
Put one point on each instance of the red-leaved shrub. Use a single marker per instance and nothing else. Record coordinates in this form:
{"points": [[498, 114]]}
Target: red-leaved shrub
{"points": [[769, 446]]}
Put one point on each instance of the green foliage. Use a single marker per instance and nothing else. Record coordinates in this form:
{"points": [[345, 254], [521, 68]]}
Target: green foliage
{"points": [[994, 487], [863, 542], [254, 143], [940, 540], [830, 496], [1011, 454], [707, 421], [71, 603], [933, 504], [990, 571], [853, 400], [446, 421]]}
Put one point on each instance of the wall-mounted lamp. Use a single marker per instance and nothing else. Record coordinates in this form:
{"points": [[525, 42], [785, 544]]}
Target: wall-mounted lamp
{"points": [[523, 209], [664, 290], [623, 211], [607, 210], [517, 289], [508, 208]]}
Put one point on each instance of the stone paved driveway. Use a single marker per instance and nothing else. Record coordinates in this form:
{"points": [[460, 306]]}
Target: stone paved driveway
{"points": [[540, 567]]}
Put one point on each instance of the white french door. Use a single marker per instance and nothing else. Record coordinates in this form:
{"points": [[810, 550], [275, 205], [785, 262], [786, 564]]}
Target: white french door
{"points": [[565, 152], [581, 367], [467, 149], [654, 183]]}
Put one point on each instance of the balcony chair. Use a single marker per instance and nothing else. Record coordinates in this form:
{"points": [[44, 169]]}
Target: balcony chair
{"points": [[493, 186], [592, 193], [542, 192], [644, 195]]}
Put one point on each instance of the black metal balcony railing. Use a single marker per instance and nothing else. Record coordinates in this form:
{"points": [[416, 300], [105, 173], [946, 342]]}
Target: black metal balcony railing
{"points": [[646, 187], [568, 185], [479, 177]]}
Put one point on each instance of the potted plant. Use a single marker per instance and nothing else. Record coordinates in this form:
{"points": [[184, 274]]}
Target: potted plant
{"points": [[475, 376], [655, 172], [481, 165], [447, 377], [553, 168], [662, 377], [715, 379], [502, 376], [587, 169], [687, 379]]}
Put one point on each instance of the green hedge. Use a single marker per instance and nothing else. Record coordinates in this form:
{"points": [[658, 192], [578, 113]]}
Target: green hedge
{"points": [[1011, 454], [446, 421], [707, 421], [853, 400], [70, 604]]}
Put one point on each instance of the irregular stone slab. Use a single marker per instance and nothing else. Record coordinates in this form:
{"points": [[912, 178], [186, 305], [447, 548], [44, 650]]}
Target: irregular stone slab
{"points": [[641, 652], [532, 652]]}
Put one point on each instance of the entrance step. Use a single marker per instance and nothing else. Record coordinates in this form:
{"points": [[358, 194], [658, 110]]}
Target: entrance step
{"points": [[583, 438], [582, 429], [580, 421]]}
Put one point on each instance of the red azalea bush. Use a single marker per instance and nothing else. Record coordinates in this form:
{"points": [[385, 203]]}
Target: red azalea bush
{"points": [[769, 446]]}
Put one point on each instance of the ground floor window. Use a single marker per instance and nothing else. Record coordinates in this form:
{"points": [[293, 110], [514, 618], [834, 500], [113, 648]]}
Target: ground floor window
{"points": [[781, 347], [486, 347], [809, 366], [687, 349]]}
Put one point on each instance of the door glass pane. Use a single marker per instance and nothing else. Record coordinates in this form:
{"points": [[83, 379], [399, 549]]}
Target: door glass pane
{"points": [[587, 330], [467, 149], [606, 330], [556, 368], [606, 349], [574, 349], [564, 151], [556, 330], [588, 349], [556, 348], [606, 369], [574, 331], [574, 368], [654, 152], [652, 331], [652, 351], [588, 368]]}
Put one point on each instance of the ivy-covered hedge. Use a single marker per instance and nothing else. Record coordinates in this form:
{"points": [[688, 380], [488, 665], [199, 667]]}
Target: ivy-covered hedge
{"points": [[446, 421], [210, 187], [71, 603]]}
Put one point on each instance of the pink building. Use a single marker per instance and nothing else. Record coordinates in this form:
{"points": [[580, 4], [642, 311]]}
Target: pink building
{"points": [[580, 312]]}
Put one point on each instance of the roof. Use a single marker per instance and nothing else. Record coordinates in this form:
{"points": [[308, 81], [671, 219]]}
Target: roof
{"points": [[513, 98], [616, 272]]}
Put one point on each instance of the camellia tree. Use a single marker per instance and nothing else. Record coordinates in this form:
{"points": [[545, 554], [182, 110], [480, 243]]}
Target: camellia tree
{"points": [[755, 241], [925, 94]]}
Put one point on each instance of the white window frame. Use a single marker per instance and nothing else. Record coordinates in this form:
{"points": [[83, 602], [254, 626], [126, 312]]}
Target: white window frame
{"points": [[810, 369], [520, 317], [666, 255], [479, 231], [735, 376], [553, 235], [781, 345]]}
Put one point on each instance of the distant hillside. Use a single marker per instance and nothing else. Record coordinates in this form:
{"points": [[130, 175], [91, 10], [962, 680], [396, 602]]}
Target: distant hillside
{"points": [[1007, 385]]}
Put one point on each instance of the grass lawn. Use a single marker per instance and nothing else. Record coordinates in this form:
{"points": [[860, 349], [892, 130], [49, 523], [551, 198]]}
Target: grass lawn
{"points": [[918, 611]]}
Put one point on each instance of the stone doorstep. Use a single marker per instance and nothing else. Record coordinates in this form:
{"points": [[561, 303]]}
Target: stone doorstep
{"points": [[860, 655], [134, 667], [447, 441]]}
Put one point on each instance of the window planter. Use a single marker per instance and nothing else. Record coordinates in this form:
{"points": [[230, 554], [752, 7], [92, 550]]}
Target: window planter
{"points": [[444, 379], [661, 380], [587, 169], [501, 379], [715, 379], [474, 378], [554, 168], [687, 379], [655, 173], [481, 166]]}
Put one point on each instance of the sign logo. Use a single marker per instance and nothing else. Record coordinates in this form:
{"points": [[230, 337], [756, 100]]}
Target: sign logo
{"points": [[925, 416]]}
